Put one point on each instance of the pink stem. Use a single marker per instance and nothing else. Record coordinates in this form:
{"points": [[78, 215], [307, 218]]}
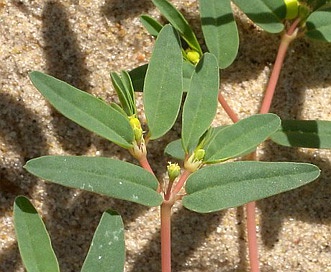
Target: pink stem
{"points": [[168, 192], [145, 164], [166, 236], [227, 108], [251, 237], [287, 38], [179, 185]]}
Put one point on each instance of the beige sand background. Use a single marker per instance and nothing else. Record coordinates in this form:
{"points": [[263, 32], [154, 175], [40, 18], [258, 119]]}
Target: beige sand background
{"points": [[81, 41]]}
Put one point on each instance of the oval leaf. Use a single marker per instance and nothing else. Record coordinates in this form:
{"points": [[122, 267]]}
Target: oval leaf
{"points": [[201, 101], [175, 150], [105, 176], [178, 22], [233, 184], [163, 86], [107, 251], [84, 109], [32, 237], [267, 14], [319, 24], [304, 133], [220, 30], [241, 137]]}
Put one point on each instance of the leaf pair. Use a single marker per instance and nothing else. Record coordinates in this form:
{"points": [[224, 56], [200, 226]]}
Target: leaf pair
{"points": [[107, 251], [223, 143]]}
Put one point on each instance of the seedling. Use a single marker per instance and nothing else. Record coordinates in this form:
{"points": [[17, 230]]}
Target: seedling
{"points": [[205, 180]]}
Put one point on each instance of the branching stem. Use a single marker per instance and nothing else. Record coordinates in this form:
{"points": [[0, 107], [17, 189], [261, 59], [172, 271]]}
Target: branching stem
{"points": [[286, 39]]}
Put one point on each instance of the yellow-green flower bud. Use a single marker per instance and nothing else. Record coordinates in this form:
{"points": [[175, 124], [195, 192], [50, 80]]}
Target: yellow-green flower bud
{"points": [[199, 154], [136, 126], [173, 171], [292, 9], [195, 161], [192, 55]]}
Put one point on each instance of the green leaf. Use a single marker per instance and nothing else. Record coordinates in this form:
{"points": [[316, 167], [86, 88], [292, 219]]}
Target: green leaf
{"points": [[315, 4], [125, 77], [177, 20], [241, 137], [304, 133], [32, 237], [220, 30], [138, 77], [201, 101], [152, 26], [84, 109], [124, 90], [233, 184], [118, 108], [267, 14], [163, 83], [107, 251], [175, 150], [319, 24], [105, 176], [188, 69]]}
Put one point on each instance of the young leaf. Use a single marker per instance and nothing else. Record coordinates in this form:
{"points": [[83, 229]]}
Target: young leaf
{"points": [[178, 21], [107, 250], [152, 26], [241, 137], [267, 14], [163, 83], [233, 184], [127, 83], [84, 109], [123, 95], [319, 24], [125, 92], [220, 30], [201, 101], [304, 133], [32, 237], [175, 150], [138, 77], [105, 176], [118, 108]]}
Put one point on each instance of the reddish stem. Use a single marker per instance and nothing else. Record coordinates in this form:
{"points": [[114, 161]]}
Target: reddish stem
{"points": [[166, 236], [145, 164], [227, 108], [168, 192], [179, 185], [287, 38], [251, 237]]}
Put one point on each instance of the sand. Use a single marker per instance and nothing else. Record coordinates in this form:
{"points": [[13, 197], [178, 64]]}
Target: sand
{"points": [[81, 42]]}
